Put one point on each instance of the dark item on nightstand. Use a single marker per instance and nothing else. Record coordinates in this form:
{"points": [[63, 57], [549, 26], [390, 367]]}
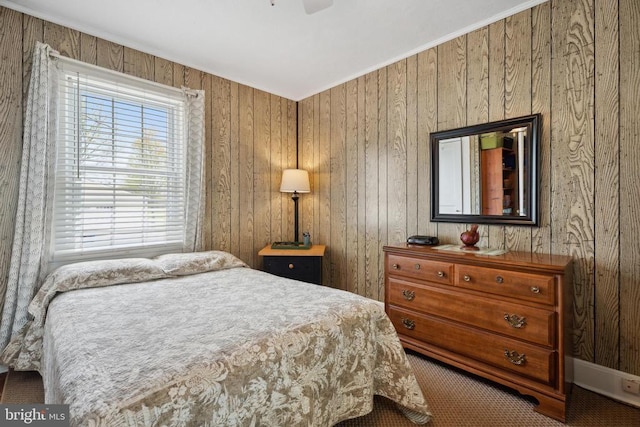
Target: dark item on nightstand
{"points": [[290, 245], [305, 266]]}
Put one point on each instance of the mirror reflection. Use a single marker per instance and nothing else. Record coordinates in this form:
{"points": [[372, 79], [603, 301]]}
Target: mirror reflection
{"points": [[486, 173]]}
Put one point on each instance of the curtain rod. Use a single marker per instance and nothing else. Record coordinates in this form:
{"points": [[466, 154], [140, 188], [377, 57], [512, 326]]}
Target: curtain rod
{"points": [[183, 89]]}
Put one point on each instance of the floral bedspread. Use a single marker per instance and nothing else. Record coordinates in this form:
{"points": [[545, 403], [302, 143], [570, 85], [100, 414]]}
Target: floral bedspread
{"points": [[226, 346]]}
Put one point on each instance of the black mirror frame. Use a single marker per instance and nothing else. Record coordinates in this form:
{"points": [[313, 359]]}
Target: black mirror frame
{"points": [[533, 123]]}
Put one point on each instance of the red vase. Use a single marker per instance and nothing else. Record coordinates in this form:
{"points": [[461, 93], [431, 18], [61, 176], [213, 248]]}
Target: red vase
{"points": [[470, 237]]}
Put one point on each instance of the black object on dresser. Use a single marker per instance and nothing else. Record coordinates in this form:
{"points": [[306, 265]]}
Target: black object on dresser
{"points": [[299, 264]]}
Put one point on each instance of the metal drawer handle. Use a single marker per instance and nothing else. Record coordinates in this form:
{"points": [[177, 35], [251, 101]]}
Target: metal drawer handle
{"points": [[408, 323], [417, 266], [291, 266], [499, 279], [440, 273], [515, 321], [466, 278], [535, 289], [408, 295], [395, 266], [515, 358]]}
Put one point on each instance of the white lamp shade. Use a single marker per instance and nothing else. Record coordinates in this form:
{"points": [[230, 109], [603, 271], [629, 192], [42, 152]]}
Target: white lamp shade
{"points": [[295, 180]]}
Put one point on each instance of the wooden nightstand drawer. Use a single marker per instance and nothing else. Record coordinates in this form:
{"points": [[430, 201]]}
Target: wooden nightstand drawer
{"points": [[299, 264], [306, 269]]}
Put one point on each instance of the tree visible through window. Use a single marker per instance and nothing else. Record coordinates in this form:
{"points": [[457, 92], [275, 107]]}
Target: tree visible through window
{"points": [[121, 170]]}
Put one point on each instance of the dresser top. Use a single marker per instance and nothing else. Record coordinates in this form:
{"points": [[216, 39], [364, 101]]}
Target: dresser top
{"points": [[510, 258]]}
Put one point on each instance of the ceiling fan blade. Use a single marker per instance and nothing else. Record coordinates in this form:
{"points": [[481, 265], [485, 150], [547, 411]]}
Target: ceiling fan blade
{"points": [[313, 6]]}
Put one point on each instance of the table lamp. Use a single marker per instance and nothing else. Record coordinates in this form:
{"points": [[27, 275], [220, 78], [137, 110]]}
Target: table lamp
{"points": [[295, 181]]}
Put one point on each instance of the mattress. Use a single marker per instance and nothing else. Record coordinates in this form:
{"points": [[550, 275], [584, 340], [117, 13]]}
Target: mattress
{"points": [[159, 342]]}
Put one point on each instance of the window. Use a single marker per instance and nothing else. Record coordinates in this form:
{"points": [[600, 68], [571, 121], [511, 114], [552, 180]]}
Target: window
{"points": [[121, 169]]}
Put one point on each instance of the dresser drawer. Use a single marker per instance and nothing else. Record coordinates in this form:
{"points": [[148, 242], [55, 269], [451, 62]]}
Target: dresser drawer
{"points": [[524, 286], [524, 359], [515, 320], [433, 271]]}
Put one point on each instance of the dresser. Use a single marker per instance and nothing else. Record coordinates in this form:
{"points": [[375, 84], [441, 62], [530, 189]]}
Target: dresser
{"points": [[506, 318], [299, 264]]}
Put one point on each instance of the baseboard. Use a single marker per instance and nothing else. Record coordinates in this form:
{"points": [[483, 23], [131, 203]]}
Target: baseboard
{"points": [[604, 381]]}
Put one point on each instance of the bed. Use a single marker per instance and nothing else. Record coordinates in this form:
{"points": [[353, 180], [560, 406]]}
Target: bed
{"points": [[202, 340]]}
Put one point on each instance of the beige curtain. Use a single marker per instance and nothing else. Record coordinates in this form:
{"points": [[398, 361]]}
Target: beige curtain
{"points": [[194, 215], [30, 251]]}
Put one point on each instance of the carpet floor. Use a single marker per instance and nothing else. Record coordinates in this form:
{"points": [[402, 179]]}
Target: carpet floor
{"points": [[456, 399]]}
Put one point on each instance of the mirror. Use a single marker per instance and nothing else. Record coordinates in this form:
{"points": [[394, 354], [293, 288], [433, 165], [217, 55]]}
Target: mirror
{"points": [[487, 173]]}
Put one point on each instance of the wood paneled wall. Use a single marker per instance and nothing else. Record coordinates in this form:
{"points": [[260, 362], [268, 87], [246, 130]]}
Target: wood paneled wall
{"points": [[575, 61], [250, 136], [365, 143]]}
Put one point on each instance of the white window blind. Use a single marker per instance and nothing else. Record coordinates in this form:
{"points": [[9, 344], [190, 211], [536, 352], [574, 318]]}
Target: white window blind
{"points": [[120, 177]]}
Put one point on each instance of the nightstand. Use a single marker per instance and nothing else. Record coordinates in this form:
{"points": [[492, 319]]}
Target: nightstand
{"points": [[299, 264]]}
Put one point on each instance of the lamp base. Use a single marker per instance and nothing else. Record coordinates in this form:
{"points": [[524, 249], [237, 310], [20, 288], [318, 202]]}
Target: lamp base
{"points": [[290, 245]]}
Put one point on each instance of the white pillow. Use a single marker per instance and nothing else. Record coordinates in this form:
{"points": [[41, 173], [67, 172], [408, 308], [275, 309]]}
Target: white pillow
{"points": [[92, 274], [182, 264]]}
